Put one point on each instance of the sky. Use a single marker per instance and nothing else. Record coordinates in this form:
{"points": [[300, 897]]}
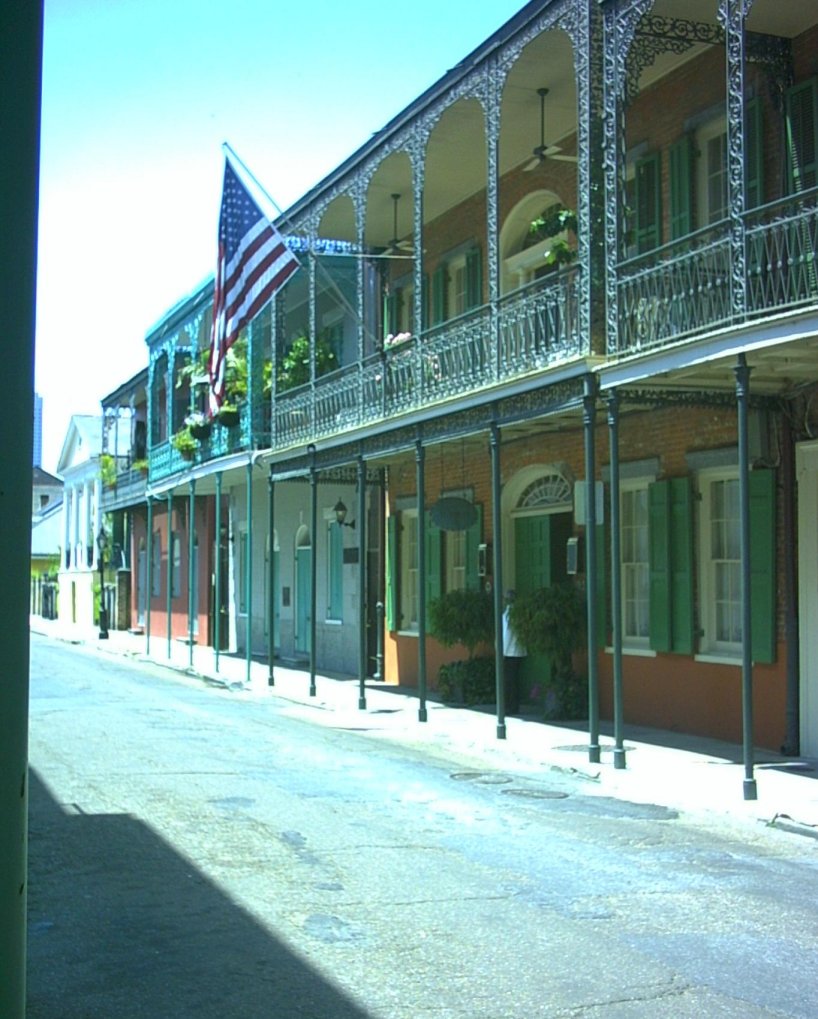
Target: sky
{"points": [[138, 97]]}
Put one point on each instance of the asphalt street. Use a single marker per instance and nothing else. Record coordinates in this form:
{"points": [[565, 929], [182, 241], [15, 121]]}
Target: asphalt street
{"points": [[196, 851]]}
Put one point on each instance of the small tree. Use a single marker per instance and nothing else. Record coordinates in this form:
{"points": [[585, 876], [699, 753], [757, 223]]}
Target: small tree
{"points": [[551, 621], [465, 618]]}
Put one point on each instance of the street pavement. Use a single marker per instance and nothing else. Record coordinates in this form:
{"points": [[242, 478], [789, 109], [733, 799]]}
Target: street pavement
{"points": [[691, 774]]}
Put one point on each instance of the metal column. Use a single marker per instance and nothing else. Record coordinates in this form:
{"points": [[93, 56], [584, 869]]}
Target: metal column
{"points": [[191, 578], [217, 574], [149, 577], [248, 578], [742, 373], [362, 592], [271, 593], [169, 568], [420, 458], [313, 563], [589, 420], [616, 580], [497, 569]]}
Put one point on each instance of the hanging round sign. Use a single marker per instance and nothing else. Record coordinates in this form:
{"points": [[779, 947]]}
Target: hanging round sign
{"points": [[453, 513]]}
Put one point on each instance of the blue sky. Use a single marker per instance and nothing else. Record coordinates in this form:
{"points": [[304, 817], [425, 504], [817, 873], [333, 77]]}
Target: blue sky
{"points": [[138, 96]]}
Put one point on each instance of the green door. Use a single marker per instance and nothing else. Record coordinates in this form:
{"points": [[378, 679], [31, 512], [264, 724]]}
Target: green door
{"points": [[539, 560], [303, 560]]}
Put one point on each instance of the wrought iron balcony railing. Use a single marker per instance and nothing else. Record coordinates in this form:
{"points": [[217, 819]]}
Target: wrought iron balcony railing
{"points": [[685, 288]]}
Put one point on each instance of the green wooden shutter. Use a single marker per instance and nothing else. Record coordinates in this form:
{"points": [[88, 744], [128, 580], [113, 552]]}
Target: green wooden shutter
{"points": [[439, 309], [681, 566], [648, 184], [474, 278], [474, 536], [394, 307], [762, 565], [434, 541], [391, 580], [681, 187], [801, 128], [660, 628], [335, 539], [424, 301], [754, 155]]}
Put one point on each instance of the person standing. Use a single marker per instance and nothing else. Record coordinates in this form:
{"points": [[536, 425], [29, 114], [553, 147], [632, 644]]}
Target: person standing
{"points": [[513, 654]]}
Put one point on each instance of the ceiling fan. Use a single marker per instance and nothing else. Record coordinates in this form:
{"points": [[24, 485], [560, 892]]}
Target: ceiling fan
{"points": [[397, 246], [543, 151]]}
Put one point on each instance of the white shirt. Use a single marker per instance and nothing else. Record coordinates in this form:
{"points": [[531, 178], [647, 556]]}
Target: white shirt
{"points": [[512, 648]]}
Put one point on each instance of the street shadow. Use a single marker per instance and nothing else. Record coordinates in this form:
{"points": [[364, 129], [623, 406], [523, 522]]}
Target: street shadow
{"points": [[121, 925]]}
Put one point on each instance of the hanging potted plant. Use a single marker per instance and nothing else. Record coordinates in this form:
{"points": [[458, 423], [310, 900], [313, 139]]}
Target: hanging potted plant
{"points": [[184, 443], [198, 424]]}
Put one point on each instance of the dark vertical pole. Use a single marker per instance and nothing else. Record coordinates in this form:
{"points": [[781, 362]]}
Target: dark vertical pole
{"points": [[169, 568], [313, 563], [792, 743], [616, 580], [217, 570], [589, 420], [742, 373], [271, 578], [362, 591], [192, 579], [497, 569], [21, 63], [420, 458], [248, 577], [149, 577]]}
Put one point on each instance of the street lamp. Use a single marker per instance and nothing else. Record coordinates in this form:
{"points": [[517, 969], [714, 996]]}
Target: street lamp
{"points": [[340, 511], [102, 547]]}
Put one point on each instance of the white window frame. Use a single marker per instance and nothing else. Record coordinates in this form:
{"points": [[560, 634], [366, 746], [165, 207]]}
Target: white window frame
{"points": [[456, 285], [631, 640], [710, 644], [408, 565], [242, 563], [454, 558], [705, 172]]}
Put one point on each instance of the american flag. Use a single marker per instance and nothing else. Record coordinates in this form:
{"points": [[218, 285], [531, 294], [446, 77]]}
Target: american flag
{"points": [[253, 263]]}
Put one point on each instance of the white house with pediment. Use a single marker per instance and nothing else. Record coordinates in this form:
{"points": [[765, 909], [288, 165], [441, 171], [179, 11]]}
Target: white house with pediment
{"points": [[78, 466]]}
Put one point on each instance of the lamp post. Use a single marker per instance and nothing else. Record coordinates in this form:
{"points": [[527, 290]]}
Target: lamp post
{"points": [[102, 546], [340, 511]]}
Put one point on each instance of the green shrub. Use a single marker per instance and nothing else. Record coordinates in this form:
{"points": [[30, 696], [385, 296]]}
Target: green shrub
{"points": [[462, 617], [468, 681]]}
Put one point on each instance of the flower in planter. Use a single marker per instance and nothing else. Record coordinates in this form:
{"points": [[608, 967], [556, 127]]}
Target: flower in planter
{"points": [[229, 415], [396, 340], [198, 424], [184, 443]]}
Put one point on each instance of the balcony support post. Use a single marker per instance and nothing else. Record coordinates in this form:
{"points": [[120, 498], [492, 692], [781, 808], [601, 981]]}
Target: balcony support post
{"points": [[217, 574], [271, 579], [420, 458], [616, 580], [313, 562], [589, 421], [362, 593], [191, 576], [169, 569], [742, 373], [497, 570], [148, 575], [731, 14], [247, 566]]}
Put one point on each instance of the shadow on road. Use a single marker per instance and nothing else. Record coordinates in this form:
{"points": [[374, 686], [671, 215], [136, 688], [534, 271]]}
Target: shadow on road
{"points": [[121, 925]]}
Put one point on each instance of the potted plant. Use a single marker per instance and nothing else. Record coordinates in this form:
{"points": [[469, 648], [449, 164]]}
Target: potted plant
{"points": [[466, 618], [294, 368], [107, 470], [555, 222], [184, 443], [199, 425], [228, 415], [140, 465], [551, 621]]}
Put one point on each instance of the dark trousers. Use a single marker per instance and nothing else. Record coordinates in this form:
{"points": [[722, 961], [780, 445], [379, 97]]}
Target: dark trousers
{"points": [[511, 684]]}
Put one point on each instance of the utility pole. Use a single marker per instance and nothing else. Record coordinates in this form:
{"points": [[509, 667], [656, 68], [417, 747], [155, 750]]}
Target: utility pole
{"points": [[21, 48]]}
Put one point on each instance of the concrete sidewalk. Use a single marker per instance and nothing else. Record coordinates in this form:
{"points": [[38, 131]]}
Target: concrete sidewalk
{"points": [[691, 774]]}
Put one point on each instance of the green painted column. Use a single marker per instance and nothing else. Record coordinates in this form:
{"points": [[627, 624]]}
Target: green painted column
{"points": [[248, 578], [191, 577], [420, 463], [589, 421], [497, 569], [742, 373], [21, 50], [616, 581], [271, 577], [362, 634], [313, 563], [217, 573], [148, 576], [169, 570]]}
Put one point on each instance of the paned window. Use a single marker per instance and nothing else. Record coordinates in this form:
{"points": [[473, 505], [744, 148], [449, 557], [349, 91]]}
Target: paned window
{"points": [[635, 565]]}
